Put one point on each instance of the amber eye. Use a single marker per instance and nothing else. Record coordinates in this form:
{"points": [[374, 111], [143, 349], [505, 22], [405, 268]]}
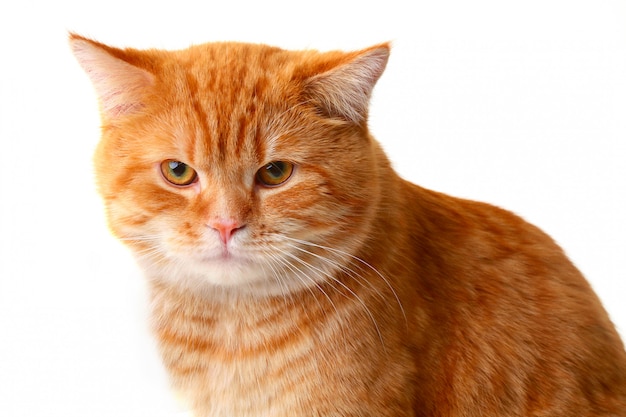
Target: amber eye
{"points": [[178, 173], [275, 173]]}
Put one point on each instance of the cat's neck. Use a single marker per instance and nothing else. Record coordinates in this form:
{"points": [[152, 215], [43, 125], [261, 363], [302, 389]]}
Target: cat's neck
{"points": [[235, 322]]}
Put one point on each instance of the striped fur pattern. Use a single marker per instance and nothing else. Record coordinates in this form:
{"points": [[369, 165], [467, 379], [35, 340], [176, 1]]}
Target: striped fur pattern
{"points": [[293, 273]]}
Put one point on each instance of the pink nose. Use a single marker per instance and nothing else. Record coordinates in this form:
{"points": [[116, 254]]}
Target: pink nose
{"points": [[226, 228]]}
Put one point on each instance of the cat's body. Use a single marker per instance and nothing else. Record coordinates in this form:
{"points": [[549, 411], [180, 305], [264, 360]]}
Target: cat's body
{"points": [[293, 273]]}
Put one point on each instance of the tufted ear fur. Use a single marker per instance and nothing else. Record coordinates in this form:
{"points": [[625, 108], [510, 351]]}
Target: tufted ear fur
{"points": [[345, 90], [120, 85]]}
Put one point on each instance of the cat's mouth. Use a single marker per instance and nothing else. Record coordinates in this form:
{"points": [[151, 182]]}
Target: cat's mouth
{"points": [[225, 257]]}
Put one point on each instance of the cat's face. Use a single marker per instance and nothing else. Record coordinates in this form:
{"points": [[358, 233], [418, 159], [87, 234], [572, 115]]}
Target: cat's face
{"points": [[235, 165]]}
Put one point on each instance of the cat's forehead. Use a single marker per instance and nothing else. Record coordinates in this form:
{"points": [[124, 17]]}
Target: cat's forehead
{"points": [[233, 66], [229, 53], [231, 102]]}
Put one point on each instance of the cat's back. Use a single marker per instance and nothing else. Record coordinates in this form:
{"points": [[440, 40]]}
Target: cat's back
{"points": [[512, 324]]}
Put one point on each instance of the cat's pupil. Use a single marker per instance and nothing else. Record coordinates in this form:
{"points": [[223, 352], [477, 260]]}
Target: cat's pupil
{"points": [[177, 168], [274, 173], [276, 169], [177, 173]]}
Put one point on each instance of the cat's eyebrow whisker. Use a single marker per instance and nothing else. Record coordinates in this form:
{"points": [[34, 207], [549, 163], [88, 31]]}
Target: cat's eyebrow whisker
{"points": [[272, 124]]}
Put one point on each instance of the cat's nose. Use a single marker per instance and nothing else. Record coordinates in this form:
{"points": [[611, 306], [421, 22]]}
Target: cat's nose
{"points": [[226, 228]]}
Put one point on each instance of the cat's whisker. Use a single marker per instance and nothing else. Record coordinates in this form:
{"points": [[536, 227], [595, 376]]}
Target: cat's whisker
{"points": [[146, 250], [321, 273], [360, 261], [347, 270], [151, 253], [299, 274], [357, 277], [297, 271], [269, 261], [154, 254], [141, 238], [307, 281]]}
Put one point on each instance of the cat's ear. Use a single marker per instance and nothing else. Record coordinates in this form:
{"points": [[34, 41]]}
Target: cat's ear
{"points": [[120, 85], [344, 91]]}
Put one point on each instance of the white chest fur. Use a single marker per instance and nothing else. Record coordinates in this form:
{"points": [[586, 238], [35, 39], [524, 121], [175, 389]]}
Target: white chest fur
{"points": [[267, 361]]}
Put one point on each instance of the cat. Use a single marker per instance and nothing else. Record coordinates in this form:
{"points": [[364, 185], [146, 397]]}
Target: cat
{"points": [[293, 273]]}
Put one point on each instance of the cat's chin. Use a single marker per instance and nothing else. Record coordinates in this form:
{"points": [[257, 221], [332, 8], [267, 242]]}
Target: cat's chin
{"points": [[224, 273]]}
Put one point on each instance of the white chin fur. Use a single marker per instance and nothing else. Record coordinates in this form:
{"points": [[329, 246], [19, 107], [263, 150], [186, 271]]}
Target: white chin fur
{"points": [[232, 276]]}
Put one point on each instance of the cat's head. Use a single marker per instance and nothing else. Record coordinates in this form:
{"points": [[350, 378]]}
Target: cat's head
{"points": [[236, 165]]}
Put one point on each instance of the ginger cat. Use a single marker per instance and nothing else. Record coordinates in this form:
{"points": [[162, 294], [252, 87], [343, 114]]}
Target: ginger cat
{"points": [[294, 273]]}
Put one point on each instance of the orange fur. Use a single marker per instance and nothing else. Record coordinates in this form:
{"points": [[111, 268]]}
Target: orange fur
{"points": [[345, 290]]}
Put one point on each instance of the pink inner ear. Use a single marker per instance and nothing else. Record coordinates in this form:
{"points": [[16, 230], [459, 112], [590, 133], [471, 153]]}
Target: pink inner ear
{"points": [[345, 91], [120, 86], [116, 102]]}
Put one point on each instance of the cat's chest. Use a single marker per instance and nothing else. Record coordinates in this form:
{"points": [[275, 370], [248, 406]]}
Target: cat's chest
{"points": [[231, 366]]}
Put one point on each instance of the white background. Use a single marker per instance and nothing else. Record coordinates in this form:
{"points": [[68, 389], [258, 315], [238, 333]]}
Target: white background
{"points": [[521, 104]]}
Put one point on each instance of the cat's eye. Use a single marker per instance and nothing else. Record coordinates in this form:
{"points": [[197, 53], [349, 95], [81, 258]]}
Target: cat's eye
{"points": [[275, 173], [178, 173]]}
